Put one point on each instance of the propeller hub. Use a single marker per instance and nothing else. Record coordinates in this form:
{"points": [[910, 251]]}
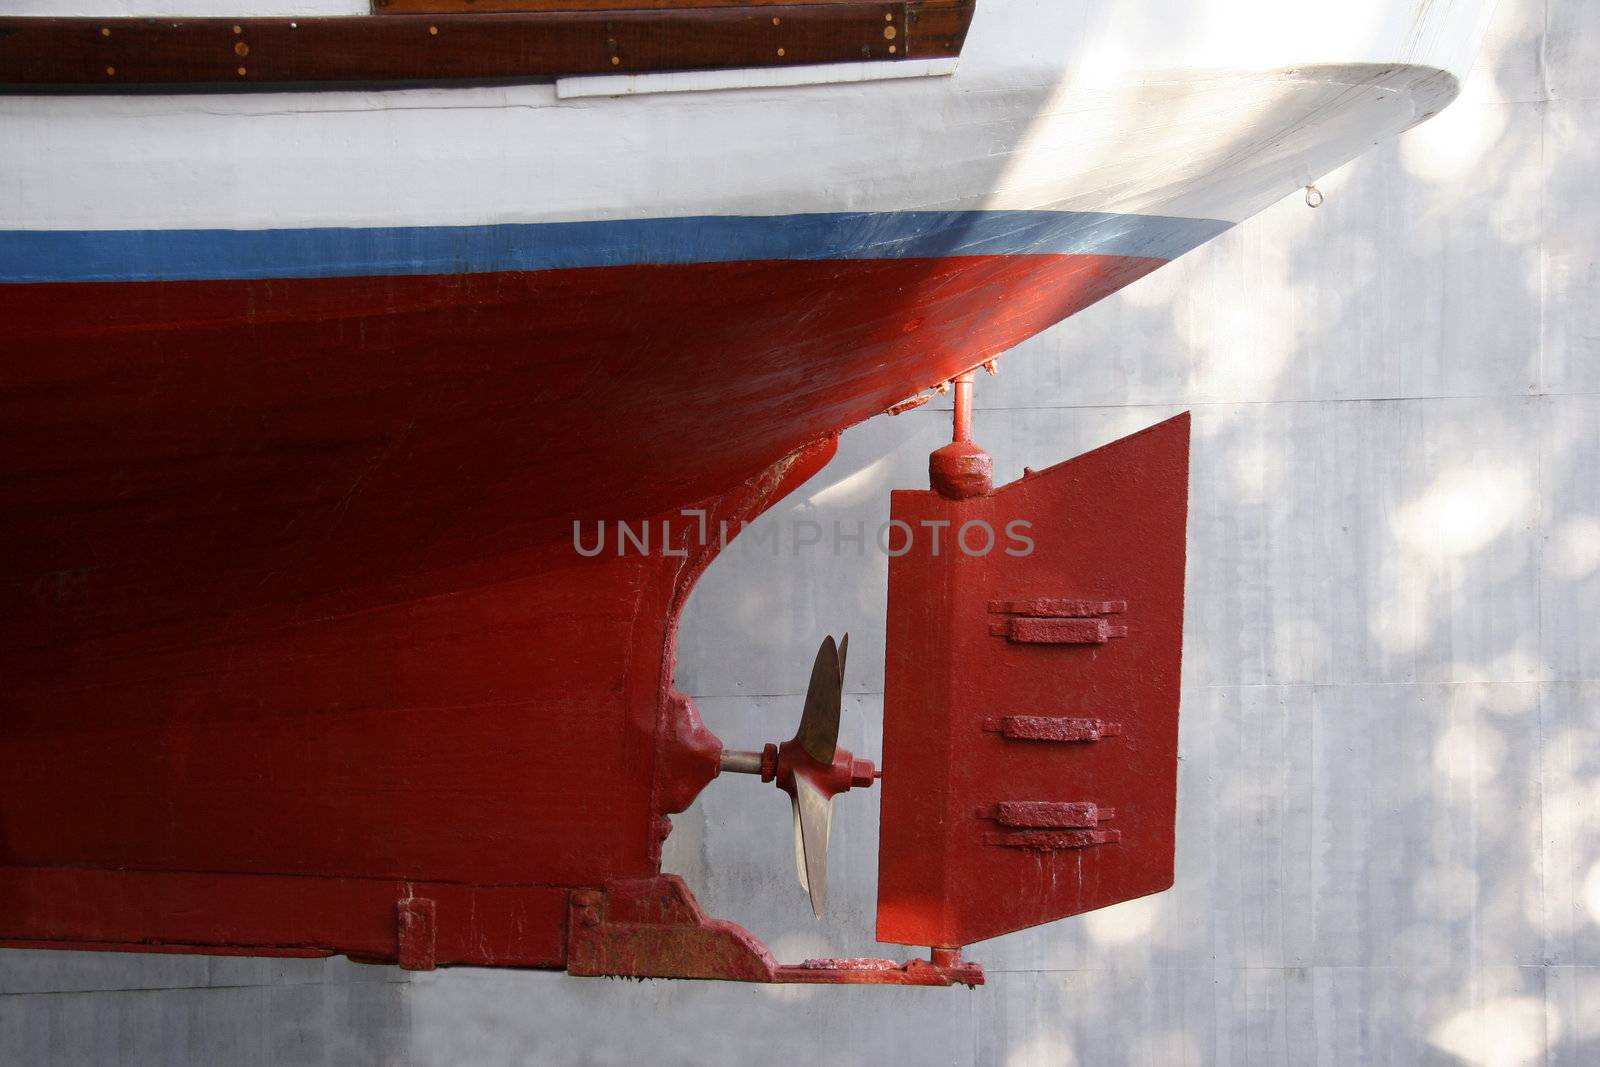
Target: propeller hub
{"points": [[791, 758], [778, 763]]}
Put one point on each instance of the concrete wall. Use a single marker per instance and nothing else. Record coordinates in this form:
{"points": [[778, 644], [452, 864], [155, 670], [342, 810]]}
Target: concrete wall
{"points": [[1390, 788]]}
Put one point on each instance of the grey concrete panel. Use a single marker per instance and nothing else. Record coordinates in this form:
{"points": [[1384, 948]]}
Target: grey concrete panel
{"points": [[1417, 277], [1163, 1017], [1427, 1015], [1424, 831], [282, 1026], [1570, 572], [1572, 28], [1572, 1015], [1345, 542], [1570, 777], [531, 1020], [1512, 67], [1571, 237], [29, 971]]}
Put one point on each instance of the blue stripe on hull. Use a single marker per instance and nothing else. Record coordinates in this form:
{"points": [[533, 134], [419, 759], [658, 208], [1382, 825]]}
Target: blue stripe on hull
{"points": [[196, 255]]}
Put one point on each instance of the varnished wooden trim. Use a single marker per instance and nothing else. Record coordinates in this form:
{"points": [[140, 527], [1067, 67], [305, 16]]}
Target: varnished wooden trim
{"points": [[937, 27], [463, 7], [211, 54]]}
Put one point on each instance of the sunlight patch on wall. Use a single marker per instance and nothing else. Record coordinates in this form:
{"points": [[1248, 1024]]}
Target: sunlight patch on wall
{"points": [[1465, 509], [1471, 755], [1575, 548], [787, 949], [1447, 148], [1045, 1050], [1124, 923], [1248, 465], [1509, 700], [1504, 1032], [1591, 895], [1571, 794], [854, 489], [1243, 347], [755, 605]]}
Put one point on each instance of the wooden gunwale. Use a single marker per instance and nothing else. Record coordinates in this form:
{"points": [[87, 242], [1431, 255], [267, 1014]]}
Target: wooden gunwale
{"points": [[401, 46]]}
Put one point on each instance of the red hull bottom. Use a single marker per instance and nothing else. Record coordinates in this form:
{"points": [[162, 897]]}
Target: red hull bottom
{"points": [[294, 629]]}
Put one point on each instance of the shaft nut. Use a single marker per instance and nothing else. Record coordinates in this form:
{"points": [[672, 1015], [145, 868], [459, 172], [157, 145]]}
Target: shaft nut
{"points": [[862, 773]]}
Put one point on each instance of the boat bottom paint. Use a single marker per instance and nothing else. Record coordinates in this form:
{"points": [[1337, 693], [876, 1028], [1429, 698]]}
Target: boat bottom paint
{"points": [[290, 587], [195, 454]]}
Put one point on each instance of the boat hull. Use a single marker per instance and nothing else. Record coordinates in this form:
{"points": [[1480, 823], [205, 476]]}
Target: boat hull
{"points": [[303, 579], [304, 395]]}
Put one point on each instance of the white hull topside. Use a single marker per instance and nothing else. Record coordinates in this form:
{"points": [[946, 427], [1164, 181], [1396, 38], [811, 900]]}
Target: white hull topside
{"points": [[1173, 107]]}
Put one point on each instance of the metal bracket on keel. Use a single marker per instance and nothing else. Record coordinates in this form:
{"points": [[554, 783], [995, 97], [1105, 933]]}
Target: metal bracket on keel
{"points": [[654, 928]]}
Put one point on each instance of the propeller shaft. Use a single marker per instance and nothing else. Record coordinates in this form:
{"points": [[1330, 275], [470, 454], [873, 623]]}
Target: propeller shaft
{"points": [[735, 761]]}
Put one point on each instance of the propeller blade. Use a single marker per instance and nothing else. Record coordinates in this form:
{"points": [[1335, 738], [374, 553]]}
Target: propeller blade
{"points": [[819, 722], [813, 817], [799, 846]]}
